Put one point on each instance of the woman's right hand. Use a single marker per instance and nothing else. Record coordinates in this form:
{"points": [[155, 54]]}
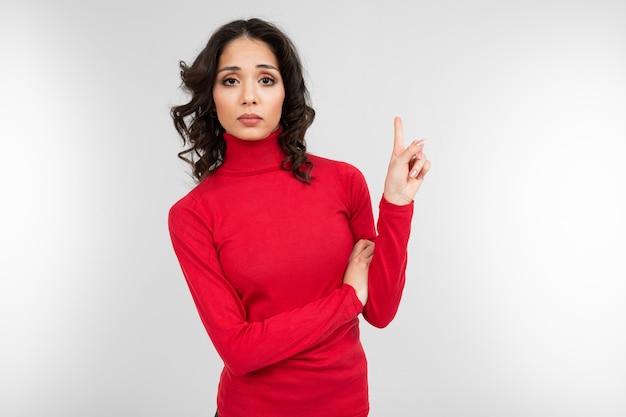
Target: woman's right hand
{"points": [[358, 265]]}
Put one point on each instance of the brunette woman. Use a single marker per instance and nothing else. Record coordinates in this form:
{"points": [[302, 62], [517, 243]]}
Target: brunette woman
{"points": [[276, 244]]}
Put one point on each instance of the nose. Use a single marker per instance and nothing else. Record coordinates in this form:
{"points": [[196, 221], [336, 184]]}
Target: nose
{"points": [[249, 95]]}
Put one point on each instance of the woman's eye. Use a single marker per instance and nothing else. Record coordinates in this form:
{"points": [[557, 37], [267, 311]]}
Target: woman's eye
{"points": [[229, 81], [267, 81]]}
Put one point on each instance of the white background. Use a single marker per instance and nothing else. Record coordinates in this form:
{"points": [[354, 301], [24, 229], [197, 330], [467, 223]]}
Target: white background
{"points": [[516, 297]]}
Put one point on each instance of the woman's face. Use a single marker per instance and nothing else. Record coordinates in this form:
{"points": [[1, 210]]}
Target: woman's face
{"points": [[248, 90]]}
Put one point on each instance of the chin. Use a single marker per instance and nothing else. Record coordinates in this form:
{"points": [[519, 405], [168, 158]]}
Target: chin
{"points": [[252, 133]]}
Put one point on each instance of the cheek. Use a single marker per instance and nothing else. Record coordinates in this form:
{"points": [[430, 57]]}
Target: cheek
{"points": [[222, 99], [217, 100], [220, 106], [278, 104]]}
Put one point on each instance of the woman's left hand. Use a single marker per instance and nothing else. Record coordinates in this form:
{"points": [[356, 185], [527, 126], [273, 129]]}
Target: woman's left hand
{"points": [[407, 168]]}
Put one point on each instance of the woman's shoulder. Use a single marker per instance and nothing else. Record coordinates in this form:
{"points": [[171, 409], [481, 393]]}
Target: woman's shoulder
{"points": [[338, 175], [197, 199], [331, 165]]}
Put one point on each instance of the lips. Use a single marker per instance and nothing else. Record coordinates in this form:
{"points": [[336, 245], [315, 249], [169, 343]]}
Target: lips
{"points": [[250, 119]]}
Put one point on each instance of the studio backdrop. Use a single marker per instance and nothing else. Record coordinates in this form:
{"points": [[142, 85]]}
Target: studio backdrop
{"points": [[515, 302]]}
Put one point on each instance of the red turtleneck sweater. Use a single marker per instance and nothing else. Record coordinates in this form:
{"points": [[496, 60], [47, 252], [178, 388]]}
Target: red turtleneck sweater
{"points": [[264, 257]]}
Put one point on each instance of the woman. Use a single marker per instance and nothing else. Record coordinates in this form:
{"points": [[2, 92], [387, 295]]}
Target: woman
{"points": [[277, 245]]}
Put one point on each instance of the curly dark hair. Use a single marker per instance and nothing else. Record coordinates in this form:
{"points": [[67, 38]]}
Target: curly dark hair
{"points": [[196, 121]]}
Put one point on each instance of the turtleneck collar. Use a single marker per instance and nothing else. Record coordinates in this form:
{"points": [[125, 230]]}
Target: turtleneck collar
{"points": [[248, 157]]}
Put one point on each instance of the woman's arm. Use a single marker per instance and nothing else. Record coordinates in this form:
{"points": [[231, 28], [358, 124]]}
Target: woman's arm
{"points": [[387, 271], [249, 346]]}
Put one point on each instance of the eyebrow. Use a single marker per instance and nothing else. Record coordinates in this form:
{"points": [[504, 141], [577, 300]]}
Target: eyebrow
{"points": [[236, 68]]}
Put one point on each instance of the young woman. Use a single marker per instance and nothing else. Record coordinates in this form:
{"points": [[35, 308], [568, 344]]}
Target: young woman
{"points": [[277, 245]]}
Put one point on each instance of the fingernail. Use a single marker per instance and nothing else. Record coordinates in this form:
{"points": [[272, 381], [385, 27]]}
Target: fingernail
{"points": [[413, 173], [420, 142], [419, 155]]}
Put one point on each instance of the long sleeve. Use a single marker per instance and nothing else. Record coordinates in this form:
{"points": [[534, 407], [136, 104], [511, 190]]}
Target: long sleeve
{"points": [[387, 272], [246, 346]]}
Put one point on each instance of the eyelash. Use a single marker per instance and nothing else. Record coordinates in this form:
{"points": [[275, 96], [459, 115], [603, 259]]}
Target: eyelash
{"points": [[230, 81]]}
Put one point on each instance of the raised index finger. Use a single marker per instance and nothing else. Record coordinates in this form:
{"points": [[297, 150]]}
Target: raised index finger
{"points": [[398, 136]]}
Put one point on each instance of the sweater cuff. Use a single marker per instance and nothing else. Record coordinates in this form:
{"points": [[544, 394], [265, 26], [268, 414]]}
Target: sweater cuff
{"points": [[384, 204], [356, 303]]}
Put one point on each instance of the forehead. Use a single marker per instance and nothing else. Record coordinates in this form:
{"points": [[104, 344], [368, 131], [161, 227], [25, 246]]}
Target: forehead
{"points": [[244, 50]]}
